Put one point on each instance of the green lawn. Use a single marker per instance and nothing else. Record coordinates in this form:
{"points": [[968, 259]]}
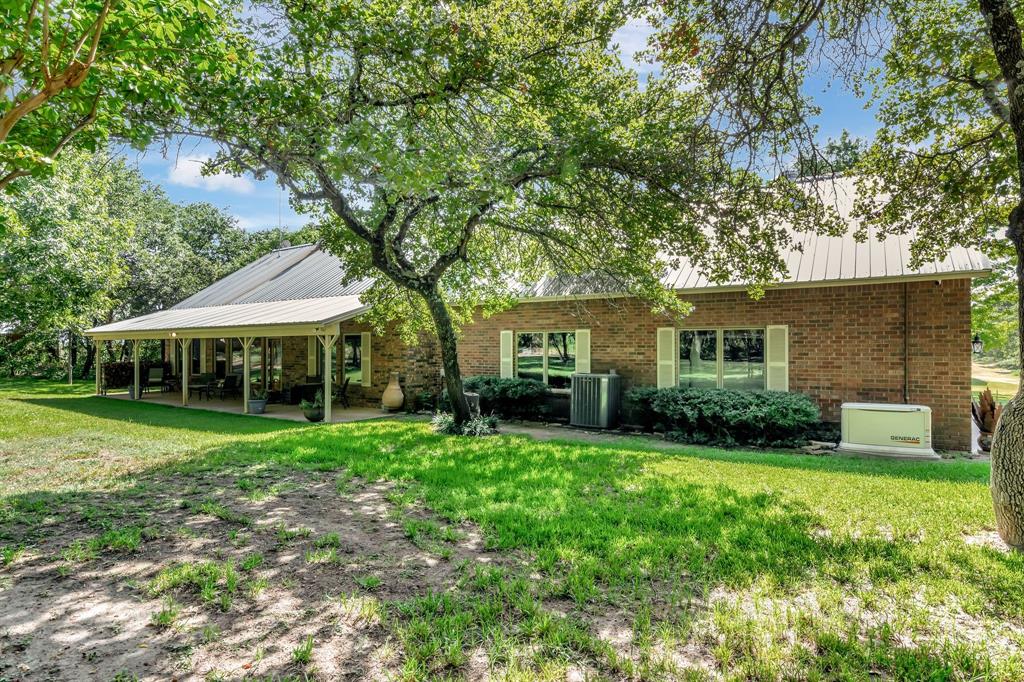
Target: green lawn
{"points": [[707, 562], [1002, 382]]}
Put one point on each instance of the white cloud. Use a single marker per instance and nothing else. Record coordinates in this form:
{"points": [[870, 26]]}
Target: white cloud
{"points": [[288, 221], [188, 172]]}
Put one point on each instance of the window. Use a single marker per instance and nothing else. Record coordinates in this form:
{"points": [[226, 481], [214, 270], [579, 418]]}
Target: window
{"points": [[549, 357], [237, 360], [220, 358], [722, 358], [743, 359], [275, 364], [195, 356], [256, 361], [352, 357], [698, 358]]}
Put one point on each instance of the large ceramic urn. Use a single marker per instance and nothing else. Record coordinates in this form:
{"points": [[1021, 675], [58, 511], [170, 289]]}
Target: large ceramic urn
{"points": [[393, 397]]}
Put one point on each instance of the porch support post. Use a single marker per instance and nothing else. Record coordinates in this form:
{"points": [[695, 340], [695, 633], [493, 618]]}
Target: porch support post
{"points": [[185, 369], [99, 366], [136, 373], [246, 345], [328, 341]]}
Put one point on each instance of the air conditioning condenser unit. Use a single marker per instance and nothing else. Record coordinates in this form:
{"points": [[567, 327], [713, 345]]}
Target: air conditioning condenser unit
{"points": [[594, 401]]}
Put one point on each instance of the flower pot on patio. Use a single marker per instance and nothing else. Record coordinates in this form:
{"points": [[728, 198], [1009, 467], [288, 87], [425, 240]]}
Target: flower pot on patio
{"points": [[314, 409], [257, 406], [393, 396]]}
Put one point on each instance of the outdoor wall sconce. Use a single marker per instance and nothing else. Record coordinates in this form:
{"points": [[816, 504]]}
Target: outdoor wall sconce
{"points": [[977, 344]]}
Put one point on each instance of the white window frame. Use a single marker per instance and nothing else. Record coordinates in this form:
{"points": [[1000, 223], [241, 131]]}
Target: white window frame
{"points": [[544, 352], [720, 352]]}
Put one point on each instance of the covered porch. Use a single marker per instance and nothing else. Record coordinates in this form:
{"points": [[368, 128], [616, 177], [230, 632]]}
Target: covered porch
{"points": [[339, 415], [226, 357]]}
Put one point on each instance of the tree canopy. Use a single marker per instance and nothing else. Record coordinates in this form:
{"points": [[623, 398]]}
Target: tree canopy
{"points": [[80, 72], [455, 152], [96, 242]]}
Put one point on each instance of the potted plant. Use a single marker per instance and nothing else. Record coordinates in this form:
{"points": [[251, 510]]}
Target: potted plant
{"points": [[258, 401], [314, 410], [986, 413]]}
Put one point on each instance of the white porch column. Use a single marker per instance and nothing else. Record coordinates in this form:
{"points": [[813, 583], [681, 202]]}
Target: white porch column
{"points": [[328, 341], [185, 367], [99, 366], [135, 361], [246, 346]]}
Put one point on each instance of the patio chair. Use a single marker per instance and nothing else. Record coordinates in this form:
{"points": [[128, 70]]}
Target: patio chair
{"points": [[341, 393], [202, 384], [231, 386], [154, 380]]}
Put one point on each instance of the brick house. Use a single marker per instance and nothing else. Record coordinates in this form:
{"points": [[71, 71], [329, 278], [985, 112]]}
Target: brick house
{"points": [[852, 322]]}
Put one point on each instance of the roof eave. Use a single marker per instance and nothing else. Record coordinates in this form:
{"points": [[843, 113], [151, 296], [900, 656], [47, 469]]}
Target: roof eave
{"points": [[818, 284]]}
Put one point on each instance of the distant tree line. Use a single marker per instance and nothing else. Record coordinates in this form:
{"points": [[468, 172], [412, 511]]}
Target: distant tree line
{"points": [[96, 242]]}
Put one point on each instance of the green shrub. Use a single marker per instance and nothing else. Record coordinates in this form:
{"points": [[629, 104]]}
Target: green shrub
{"points": [[716, 416], [637, 409], [509, 398], [120, 374]]}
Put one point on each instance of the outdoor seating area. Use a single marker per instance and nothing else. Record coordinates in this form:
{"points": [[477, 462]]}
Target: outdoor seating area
{"points": [[206, 396]]}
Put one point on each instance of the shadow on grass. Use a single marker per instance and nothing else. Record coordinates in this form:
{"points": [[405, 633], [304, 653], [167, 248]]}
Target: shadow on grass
{"points": [[595, 518], [168, 416]]}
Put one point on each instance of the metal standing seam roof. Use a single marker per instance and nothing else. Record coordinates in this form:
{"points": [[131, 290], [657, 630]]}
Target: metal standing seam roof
{"points": [[303, 284], [824, 259], [287, 274]]}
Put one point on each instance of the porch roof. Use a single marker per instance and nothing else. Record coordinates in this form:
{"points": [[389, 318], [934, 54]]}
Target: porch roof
{"points": [[291, 317]]}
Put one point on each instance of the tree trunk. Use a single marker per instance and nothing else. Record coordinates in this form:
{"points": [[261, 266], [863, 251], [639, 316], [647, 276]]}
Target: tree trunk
{"points": [[449, 354], [1007, 482], [90, 357], [72, 354]]}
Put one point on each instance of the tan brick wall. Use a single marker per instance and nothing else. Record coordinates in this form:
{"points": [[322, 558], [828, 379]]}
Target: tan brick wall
{"points": [[845, 342], [417, 365]]}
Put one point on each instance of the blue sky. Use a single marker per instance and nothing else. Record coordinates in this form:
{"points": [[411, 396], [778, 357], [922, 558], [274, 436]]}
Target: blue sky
{"points": [[262, 204]]}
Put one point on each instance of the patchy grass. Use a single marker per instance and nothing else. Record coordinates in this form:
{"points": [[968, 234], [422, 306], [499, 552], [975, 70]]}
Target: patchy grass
{"points": [[675, 563]]}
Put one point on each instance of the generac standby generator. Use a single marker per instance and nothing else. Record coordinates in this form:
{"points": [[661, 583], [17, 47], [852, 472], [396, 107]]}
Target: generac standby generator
{"points": [[903, 431]]}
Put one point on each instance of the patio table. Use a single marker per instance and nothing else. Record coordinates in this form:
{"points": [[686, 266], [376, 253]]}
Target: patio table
{"points": [[200, 389]]}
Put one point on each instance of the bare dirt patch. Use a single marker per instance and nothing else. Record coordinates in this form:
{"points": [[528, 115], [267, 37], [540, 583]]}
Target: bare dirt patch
{"points": [[309, 556]]}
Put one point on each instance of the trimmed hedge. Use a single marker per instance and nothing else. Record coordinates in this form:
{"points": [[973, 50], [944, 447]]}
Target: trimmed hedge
{"points": [[715, 416], [506, 398], [121, 374]]}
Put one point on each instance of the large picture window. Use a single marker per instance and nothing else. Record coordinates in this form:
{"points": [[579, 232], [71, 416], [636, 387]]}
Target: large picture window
{"points": [[549, 357], [722, 358]]}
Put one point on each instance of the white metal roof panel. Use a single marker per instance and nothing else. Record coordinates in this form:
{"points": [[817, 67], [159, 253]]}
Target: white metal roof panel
{"points": [[268, 313]]}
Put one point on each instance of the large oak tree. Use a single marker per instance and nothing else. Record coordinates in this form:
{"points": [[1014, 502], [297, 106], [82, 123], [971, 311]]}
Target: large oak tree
{"points": [[457, 151]]}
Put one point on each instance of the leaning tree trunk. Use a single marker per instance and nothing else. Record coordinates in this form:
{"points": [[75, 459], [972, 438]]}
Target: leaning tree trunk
{"points": [[449, 354], [1008, 441]]}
